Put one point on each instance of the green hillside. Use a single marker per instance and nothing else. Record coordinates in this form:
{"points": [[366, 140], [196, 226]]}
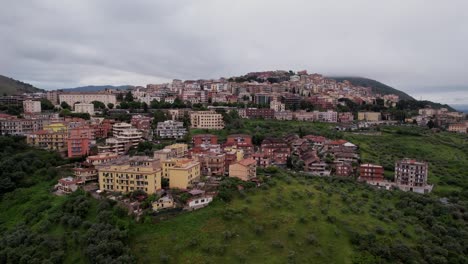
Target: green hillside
{"points": [[11, 86]]}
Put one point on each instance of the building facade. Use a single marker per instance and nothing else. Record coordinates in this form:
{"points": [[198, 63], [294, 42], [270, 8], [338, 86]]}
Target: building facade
{"points": [[206, 120]]}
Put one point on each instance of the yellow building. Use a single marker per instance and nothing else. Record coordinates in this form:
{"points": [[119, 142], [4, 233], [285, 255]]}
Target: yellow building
{"points": [[56, 127], [369, 116], [233, 150], [180, 149], [163, 203], [183, 173], [206, 120], [48, 139], [130, 174], [245, 169]]}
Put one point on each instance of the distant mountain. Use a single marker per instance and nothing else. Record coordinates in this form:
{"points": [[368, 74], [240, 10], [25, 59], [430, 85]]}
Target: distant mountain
{"points": [[460, 107], [11, 86], [95, 88], [376, 86]]}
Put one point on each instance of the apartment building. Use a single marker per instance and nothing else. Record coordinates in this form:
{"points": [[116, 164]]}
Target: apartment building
{"points": [[276, 149], [129, 174], [240, 141], [73, 98], [458, 128], [371, 173], [79, 141], [124, 137], [30, 106], [204, 139], [265, 113], [206, 120], [171, 129], [411, 175], [277, 106], [84, 108], [211, 164], [180, 149], [11, 125], [182, 173], [369, 116], [101, 158], [49, 139], [245, 169]]}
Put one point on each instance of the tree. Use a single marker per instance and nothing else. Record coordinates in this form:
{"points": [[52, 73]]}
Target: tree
{"points": [[46, 104], [159, 116], [430, 124], [65, 105], [129, 96], [145, 107], [98, 105], [110, 105], [120, 97]]}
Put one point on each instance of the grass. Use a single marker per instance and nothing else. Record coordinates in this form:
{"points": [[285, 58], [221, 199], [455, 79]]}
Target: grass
{"points": [[281, 224], [447, 154]]}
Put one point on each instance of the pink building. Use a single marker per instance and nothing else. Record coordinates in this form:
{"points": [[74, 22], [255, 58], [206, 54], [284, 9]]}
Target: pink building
{"points": [[79, 141]]}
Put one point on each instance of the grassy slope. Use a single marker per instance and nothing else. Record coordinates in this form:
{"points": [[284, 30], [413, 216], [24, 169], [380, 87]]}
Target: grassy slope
{"points": [[278, 210], [11, 86], [447, 154]]}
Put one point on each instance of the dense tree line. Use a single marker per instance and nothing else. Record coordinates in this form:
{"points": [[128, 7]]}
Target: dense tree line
{"points": [[22, 165]]}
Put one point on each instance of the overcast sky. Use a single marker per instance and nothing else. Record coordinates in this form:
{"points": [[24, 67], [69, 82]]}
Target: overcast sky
{"points": [[418, 46]]}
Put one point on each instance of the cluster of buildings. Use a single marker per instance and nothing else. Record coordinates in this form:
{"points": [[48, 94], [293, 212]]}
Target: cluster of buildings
{"points": [[410, 175], [453, 121]]}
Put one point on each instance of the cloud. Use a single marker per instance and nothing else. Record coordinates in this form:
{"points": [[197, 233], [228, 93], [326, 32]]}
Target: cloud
{"points": [[405, 44]]}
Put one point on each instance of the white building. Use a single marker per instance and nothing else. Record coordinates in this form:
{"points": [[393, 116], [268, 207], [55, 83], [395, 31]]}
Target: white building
{"points": [[277, 106], [84, 108], [199, 201], [30, 106], [124, 137], [73, 98], [171, 129]]}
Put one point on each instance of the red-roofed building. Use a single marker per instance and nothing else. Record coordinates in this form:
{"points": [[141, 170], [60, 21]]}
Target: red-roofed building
{"points": [[241, 141], [204, 139], [276, 149], [371, 173]]}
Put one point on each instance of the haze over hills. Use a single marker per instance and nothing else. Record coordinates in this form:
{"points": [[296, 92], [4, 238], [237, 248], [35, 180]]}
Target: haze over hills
{"points": [[10, 86], [95, 88]]}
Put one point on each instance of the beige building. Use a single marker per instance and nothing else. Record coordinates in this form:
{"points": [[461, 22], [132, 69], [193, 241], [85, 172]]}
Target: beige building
{"points": [[163, 203], [73, 98], [459, 128], [206, 120], [182, 173], [277, 106], [84, 108], [369, 116], [130, 174], [245, 169], [30, 106], [179, 149]]}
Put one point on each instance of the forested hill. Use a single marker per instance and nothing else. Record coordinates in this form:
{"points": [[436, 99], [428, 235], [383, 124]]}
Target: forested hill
{"points": [[376, 86], [11, 86]]}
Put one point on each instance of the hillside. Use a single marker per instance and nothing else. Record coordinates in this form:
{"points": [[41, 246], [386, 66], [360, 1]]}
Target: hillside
{"points": [[376, 86], [95, 88], [11, 86]]}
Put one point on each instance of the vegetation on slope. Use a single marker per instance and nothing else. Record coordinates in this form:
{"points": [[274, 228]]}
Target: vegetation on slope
{"points": [[296, 218], [9, 86]]}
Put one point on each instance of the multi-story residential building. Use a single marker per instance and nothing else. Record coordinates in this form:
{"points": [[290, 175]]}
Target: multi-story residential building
{"points": [[103, 128], [345, 117], [240, 141], [52, 96], [79, 141], [30, 106], [142, 123], [84, 108], [265, 113], [245, 169], [165, 154], [277, 106], [285, 115], [73, 98], [130, 174], [371, 173], [411, 175], [180, 149], [369, 116], [276, 149], [49, 139], [262, 98], [101, 158], [125, 137], [459, 128], [182, 173], [206, 120], [85, 174], [11, 125], [204, 139], [211, 164], [171, 129], [344, 169]]}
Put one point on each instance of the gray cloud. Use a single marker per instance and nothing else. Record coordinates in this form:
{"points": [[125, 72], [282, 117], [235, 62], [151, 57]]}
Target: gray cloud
{"points": [[406, 44]]}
